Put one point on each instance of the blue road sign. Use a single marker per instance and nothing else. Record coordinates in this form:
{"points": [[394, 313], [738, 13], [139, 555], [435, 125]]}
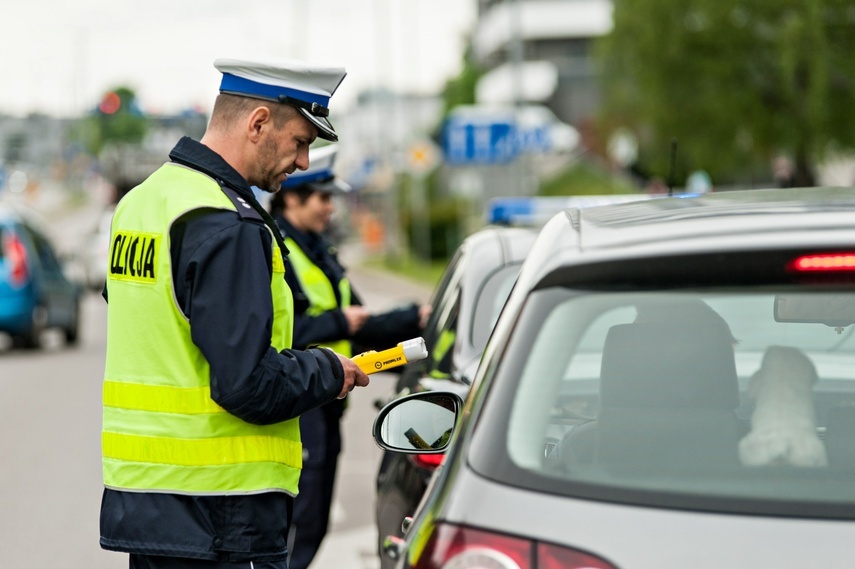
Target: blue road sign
{"points": [[479, 140], [534, 140]]}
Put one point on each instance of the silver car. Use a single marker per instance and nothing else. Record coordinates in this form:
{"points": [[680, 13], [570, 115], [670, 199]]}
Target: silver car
{"points": [[670, 385]]}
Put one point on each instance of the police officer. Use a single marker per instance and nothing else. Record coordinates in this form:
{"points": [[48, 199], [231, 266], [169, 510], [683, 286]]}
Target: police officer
{"points": [[327, 312], [201, 446]]}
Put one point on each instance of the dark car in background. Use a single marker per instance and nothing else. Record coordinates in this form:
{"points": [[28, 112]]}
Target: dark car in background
{"points": [[671, 384], [35, 293]]}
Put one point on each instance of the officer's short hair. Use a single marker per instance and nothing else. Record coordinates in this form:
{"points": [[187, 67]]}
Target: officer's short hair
{"points": [[277, 201], [230, 108]]}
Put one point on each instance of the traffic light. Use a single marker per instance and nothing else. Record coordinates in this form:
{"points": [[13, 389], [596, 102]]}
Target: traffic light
{"points": [[110, 103]]}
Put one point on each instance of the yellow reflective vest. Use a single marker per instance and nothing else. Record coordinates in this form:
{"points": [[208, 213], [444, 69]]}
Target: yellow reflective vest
{"points": [[162, 432], [319, 290]]}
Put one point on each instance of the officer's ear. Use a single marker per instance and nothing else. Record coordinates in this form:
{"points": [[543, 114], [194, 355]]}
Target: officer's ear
{"points": [[259, 120]]}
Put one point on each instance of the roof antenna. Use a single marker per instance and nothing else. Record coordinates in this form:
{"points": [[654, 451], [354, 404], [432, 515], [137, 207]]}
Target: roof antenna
{"points": [[673, 167]]}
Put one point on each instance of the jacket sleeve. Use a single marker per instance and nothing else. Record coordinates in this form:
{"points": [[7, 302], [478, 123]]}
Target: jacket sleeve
{"points": [[386, 330], [323, 328], [225, 268]]}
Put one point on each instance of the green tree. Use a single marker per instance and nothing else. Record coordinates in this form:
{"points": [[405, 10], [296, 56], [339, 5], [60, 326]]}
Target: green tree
{"points": [[461, 89], [734, 82], [116, 119]]}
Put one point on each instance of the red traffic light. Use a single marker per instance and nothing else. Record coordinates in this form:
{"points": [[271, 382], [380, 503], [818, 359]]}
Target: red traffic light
{"points": [[110, 103]]}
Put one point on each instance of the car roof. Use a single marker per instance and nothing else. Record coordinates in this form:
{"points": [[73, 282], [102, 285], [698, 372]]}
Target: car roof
{"points": [[511, 243], [725, 221]]}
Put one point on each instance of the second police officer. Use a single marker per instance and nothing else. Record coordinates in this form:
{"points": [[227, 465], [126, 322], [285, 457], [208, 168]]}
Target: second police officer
{"points": [[327, 312]]}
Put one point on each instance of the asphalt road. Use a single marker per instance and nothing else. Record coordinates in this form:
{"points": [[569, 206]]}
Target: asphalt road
{"points": [[50, 420]]}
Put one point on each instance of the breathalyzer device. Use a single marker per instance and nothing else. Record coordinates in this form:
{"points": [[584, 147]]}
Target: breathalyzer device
{"points": [[404, 353]]}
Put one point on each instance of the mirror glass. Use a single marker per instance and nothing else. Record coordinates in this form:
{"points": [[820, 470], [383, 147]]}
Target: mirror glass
{"points": [[833, 309], [423, 424]]}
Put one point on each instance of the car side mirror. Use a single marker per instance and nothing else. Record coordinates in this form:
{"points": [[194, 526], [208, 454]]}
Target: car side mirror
{"points": [[421, 423]]}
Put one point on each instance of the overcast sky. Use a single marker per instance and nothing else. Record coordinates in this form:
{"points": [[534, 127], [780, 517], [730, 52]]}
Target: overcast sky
{"points": [[59, 56]]}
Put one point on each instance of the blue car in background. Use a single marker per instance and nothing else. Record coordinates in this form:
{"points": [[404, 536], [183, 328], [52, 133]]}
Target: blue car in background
{"points": [[35, 294]]}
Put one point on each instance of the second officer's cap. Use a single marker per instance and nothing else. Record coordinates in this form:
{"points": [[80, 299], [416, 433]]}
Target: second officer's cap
{"points": [[319, 176], [299, 84]]}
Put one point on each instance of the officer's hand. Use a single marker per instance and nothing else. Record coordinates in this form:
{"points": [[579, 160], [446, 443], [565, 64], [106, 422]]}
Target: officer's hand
{"points": [[356, 317], [353, 376]]}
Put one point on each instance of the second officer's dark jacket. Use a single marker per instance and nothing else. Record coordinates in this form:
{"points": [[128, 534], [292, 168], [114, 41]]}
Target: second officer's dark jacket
{"points": [[379, 332]]}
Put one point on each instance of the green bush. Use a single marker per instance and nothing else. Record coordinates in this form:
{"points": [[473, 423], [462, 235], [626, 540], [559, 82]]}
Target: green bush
{"points": [[586, 178]]}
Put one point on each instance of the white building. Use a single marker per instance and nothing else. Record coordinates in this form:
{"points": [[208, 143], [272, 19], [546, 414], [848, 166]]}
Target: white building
{"points": [[539, 51]]}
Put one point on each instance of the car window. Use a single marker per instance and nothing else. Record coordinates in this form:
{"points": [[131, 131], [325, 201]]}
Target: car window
{"points": [[441, 357], [444, 299], [691, 399], [491, 298], [44, 252]]}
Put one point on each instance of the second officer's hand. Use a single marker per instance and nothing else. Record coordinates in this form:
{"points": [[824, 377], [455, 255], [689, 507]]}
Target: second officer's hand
{"points": [[356, 316], [353, 376]]}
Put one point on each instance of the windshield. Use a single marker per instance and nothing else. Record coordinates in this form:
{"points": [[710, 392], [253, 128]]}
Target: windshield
{"points": [[690, 399]]}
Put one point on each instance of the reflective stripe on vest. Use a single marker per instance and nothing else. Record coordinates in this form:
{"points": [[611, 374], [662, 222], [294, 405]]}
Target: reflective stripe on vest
{"points": [[319, 290], [161, 430]]}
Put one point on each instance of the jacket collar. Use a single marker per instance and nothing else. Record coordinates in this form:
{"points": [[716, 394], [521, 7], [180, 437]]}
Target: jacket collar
{"points": [[199, 157], [196, 155]]}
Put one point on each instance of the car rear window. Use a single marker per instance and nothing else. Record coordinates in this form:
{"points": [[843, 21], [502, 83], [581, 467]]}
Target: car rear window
{"points": [[725, 400]]}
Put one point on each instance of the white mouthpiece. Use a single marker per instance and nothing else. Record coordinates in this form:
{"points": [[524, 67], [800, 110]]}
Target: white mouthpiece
{"points": [[414, 350]]}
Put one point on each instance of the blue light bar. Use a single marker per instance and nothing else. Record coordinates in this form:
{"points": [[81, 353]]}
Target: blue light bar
{"points": [[535, 211]]}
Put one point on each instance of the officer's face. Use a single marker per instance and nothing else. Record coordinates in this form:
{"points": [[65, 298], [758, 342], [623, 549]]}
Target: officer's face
{"points": [[283, 151], [313, 214]]}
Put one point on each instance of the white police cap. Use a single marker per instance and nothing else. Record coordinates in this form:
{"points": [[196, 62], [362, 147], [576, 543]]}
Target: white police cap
{"points": [[319, 176], [302, 85]]}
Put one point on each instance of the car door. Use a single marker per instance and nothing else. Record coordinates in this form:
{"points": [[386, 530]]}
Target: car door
{"points": [[441, 323]]}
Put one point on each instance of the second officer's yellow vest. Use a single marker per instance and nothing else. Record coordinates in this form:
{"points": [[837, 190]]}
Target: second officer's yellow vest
{"points": [[319, 290], [162, 432]]}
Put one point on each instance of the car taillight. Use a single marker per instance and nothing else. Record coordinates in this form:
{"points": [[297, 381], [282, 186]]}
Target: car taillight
{"points": [[455, 547], [450, 546], [16, 256], [823, 262], [427, 461], [556, 557]]}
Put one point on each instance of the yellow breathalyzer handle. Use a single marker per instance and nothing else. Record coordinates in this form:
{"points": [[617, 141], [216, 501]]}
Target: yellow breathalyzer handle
{"points": [[404, 353]]}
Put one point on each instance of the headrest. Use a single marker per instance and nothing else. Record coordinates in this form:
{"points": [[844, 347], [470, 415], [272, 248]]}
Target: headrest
{"points": [[666, 364]]}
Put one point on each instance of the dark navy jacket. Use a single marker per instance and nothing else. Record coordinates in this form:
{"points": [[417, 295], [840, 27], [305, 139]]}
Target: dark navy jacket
{"points": [[379, 332], [221, 267]]}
